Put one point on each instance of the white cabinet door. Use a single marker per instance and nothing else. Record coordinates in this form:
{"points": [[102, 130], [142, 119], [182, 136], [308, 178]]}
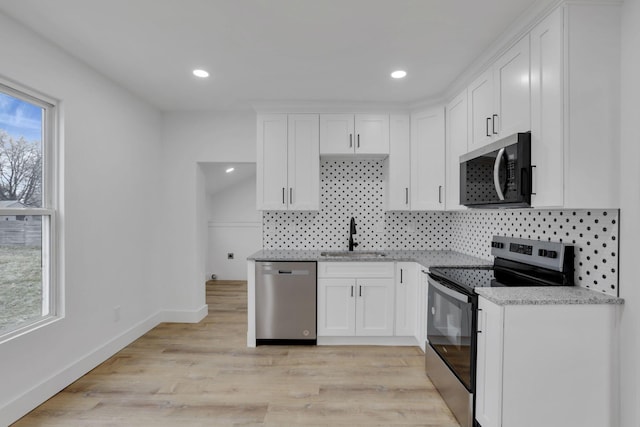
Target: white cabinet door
{"points": [[489, 364], [480, 93], [427, 160], [272, 162], [344, 134], [374, 307], [372, 134], [456, 145], [336, 307], [398, 165], [512, 92], [337, 134], [406, 299], [547, 111], [499, 99], [303, 162]]}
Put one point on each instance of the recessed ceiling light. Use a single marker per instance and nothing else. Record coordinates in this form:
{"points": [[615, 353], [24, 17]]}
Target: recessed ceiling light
{"points": [[230, 170], [200, 73], [399, 74]]}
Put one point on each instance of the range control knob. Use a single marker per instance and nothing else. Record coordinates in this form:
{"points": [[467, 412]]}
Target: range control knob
{"points": [[547, 254]]}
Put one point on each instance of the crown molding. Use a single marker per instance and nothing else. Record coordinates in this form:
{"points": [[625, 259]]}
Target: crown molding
{"points": [[328, 107]]}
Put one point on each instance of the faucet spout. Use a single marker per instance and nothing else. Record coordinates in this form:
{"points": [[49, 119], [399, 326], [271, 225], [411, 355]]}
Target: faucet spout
{"points": [[352, 231]]}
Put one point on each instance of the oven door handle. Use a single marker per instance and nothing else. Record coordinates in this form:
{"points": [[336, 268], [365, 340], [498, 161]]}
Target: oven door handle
{"points": [[450, 292]]}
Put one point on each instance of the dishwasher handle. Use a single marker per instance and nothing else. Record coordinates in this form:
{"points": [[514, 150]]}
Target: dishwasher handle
{"points": [[287, 272]]}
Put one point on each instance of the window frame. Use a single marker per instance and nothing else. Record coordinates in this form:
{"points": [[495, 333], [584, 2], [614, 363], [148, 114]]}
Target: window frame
{"points": [[52, 301]]}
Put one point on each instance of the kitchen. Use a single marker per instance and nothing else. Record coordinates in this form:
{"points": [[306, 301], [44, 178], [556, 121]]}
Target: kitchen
{"points": [[235, 132]]}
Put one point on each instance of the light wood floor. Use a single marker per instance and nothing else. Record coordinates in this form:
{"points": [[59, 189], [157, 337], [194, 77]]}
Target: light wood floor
{"points": [[204, 375]]}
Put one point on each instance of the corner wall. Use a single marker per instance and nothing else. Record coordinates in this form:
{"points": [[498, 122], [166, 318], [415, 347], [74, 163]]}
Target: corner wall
{"points": [[189, 138], [630, 213], [109, 152]]}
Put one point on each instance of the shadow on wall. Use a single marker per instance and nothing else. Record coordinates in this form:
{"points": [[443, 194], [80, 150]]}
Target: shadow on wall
{"points": [[234, 225]]}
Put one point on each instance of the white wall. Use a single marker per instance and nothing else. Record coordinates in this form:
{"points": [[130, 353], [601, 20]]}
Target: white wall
{"points": [[110, 155], [234, 226], [629, 215], [189, 138]]}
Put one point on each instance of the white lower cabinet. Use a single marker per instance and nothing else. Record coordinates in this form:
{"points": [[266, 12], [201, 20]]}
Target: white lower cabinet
{"points": [[406, 299], [422, 307], [546, 365], [355, 299]]}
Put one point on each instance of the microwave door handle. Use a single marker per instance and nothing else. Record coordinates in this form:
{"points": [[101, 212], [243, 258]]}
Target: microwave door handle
{"points": [[496, 173]]}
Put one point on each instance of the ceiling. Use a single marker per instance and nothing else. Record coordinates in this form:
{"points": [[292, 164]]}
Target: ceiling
{"points": [[273, 50], [216, 178]]}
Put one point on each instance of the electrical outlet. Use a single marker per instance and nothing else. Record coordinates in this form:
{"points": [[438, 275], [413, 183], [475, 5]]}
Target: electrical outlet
{"points": [[230, 255], [116, 313]]}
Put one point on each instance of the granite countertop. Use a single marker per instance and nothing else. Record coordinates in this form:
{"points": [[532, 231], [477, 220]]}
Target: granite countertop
{"points": [[546, 295], [425, 258]]}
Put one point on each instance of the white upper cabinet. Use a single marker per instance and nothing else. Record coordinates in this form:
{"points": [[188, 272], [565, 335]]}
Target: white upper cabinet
{"points": [[480, 110], [360, 134], [397, 167], [512, 91], [456, 145], [427, 160], [303, 150], [575, 69], [288, 162], [499, 99], [272, 162], [547, 111]]}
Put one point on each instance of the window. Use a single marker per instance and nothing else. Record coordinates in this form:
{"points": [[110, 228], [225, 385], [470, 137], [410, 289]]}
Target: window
{"points": [[28, 294]]}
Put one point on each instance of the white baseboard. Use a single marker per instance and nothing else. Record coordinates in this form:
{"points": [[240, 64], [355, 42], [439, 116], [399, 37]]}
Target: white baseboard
{"points": [[393, 341], [23, 404], [29, 400], [184, 316]]}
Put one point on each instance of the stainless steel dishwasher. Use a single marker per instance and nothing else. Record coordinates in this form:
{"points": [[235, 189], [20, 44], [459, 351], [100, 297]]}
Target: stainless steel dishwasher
{"points": [[286, 302]]}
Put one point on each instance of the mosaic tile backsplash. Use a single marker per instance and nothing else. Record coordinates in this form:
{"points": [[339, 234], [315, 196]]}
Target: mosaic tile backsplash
{"points": [[355, 189]]}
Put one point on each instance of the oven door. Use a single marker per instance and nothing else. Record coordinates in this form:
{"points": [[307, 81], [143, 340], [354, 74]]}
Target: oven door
{"points": [[451, 324]]}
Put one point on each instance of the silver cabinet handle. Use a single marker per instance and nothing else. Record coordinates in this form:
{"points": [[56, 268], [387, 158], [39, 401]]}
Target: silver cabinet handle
{"points": [[488, 118], [439, 193], [358, 140], [401, 275], [351, 291], [493, 124], [360, 291], [290, 195], [496, 174], [350, 140], [406, 195], [284, 202]]}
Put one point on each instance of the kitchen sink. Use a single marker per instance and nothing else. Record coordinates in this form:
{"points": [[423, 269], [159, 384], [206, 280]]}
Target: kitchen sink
{"points": [[354, 254]]}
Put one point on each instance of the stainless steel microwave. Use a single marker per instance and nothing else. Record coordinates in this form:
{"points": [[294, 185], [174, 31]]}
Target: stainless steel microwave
{"points": [[497, 175]]}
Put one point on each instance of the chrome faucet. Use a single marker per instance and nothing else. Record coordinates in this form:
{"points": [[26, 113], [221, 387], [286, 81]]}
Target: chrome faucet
{"points": [[352, 231]]}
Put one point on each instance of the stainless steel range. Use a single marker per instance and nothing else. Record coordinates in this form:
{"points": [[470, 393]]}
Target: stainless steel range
{"points": [[453, 310]]}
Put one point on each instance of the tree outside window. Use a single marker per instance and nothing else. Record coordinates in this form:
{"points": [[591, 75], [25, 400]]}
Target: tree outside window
{"points": [[25, 210]]}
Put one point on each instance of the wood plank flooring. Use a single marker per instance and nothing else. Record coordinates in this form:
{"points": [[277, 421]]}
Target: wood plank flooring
{"points": [[204, 375]]}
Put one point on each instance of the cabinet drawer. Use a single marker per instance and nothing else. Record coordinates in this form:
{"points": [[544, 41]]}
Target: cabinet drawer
{"points": [[356, 269]]}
